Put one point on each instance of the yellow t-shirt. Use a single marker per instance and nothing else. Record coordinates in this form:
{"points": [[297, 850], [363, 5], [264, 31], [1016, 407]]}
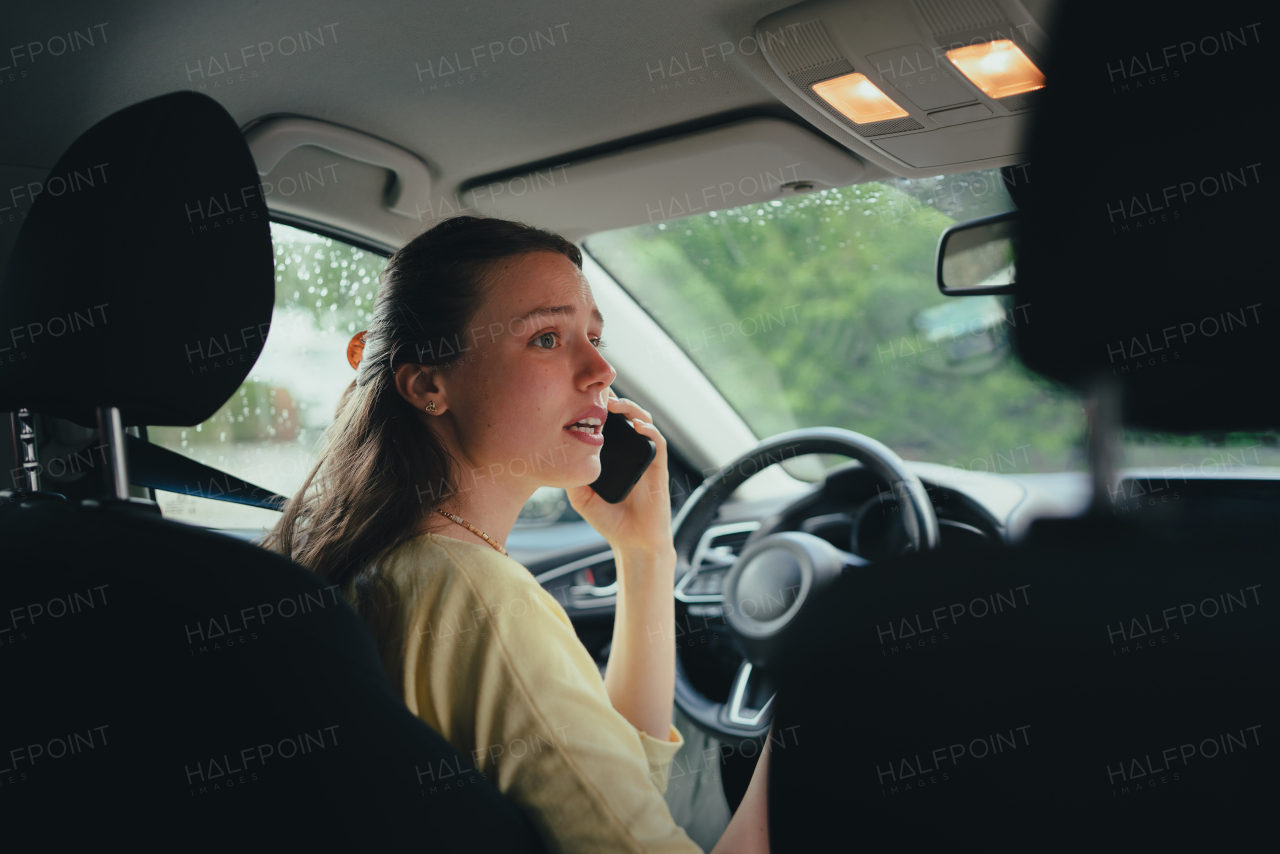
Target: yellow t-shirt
{"points": [[490, 660]]}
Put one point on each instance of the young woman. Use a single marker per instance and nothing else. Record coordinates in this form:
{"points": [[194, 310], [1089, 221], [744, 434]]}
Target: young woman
{"points": [[480, 379]]}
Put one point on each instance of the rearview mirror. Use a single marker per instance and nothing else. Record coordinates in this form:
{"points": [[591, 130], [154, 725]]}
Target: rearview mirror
{"points": [[978, 257]]}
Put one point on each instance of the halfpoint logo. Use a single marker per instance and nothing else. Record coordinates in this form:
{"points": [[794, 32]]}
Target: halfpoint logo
{"points": [[901, 632], [1139, 773], [1142, 632], [910, 772]]}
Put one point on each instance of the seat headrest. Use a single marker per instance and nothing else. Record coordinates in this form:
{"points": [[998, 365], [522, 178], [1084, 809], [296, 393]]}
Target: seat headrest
{"points": [[1146, 232], [143, 276]]}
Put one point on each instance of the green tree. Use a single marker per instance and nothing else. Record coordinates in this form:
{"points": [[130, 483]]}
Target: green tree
{"points": [[816, 310]]}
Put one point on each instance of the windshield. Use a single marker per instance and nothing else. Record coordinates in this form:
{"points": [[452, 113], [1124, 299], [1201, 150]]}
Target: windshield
{"points": [[822, 310]]}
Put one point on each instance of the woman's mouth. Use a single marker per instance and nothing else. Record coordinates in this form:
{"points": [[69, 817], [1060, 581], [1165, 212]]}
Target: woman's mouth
{"points": [[587, 425], [589, 428]]}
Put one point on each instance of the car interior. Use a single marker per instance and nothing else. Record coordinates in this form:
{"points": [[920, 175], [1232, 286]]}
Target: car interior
{"points": [[954, 313]]}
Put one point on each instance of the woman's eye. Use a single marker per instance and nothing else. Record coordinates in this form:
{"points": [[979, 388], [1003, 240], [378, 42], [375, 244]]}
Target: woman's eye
{"points": [[547, 340], [597, 342]]}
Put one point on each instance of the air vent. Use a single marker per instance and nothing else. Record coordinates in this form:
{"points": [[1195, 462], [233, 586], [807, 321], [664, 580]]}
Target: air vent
{"points": [[585, 584], [712, 559], [953, 16], [728, 544], [598, 575], [594, 585], [733, 535]]}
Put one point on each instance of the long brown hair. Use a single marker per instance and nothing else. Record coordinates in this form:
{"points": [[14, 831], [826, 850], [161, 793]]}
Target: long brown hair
{"points": [[380, 468]]}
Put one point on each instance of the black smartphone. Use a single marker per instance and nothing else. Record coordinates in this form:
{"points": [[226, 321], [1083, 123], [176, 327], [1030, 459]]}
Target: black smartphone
{"points": [[623, 458]]}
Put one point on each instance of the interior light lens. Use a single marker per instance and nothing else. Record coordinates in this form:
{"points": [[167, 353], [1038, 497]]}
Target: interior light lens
{"points": [[858, 98], [998, 68]]}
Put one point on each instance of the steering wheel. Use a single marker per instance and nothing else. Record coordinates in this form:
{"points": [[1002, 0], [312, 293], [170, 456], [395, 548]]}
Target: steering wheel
{"points": [[767, 586]]}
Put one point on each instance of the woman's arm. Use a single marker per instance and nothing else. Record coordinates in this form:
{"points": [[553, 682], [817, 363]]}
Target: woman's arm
{"points": [[748, 831], [641, 674], [640, 678]]}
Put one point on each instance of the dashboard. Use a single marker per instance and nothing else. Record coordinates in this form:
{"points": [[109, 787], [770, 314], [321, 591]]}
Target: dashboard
{"points": [[854, 512], [850, 509]]}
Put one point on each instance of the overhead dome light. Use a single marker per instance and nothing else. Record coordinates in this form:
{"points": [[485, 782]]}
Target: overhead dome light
{"points": [[998, 68], [858, 98]]}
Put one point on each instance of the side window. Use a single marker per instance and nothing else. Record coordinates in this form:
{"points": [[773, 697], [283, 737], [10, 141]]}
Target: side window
{"points": [[269, 431]]}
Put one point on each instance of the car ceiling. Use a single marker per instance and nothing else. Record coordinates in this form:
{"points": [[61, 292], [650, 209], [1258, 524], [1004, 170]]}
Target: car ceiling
{"points": [[588, 92], [593, 86]]}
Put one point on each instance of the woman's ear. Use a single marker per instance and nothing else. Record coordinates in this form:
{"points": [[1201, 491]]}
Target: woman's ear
{"points": [[417, 385]]}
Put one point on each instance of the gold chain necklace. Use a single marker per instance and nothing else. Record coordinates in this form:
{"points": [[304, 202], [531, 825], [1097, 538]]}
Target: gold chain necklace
{"points": [[473, 529]]}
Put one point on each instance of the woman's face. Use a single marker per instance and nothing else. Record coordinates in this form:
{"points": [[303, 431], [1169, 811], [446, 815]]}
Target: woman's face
{"points": [[526, 402]]}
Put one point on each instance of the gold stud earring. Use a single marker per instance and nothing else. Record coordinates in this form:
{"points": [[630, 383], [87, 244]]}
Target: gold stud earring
{"points": [[431, 406]]}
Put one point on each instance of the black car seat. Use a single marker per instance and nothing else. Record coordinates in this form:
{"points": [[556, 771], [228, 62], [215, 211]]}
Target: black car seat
{"points": [[1110, 683], [166, 687]]}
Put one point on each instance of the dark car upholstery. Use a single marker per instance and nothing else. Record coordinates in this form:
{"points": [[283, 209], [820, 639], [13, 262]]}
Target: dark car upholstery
{"points": [[166, 687], [1108, 683]]}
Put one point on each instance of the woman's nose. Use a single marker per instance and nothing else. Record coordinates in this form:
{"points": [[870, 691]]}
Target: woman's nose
{"points": [[596, 369]]}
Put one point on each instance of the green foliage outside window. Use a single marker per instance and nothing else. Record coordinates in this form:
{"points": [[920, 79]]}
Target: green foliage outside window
{"points": [[822, 310]]}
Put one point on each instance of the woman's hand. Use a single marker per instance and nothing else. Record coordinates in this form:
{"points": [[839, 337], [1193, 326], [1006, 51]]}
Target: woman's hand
{"points": [[641, 523]]}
